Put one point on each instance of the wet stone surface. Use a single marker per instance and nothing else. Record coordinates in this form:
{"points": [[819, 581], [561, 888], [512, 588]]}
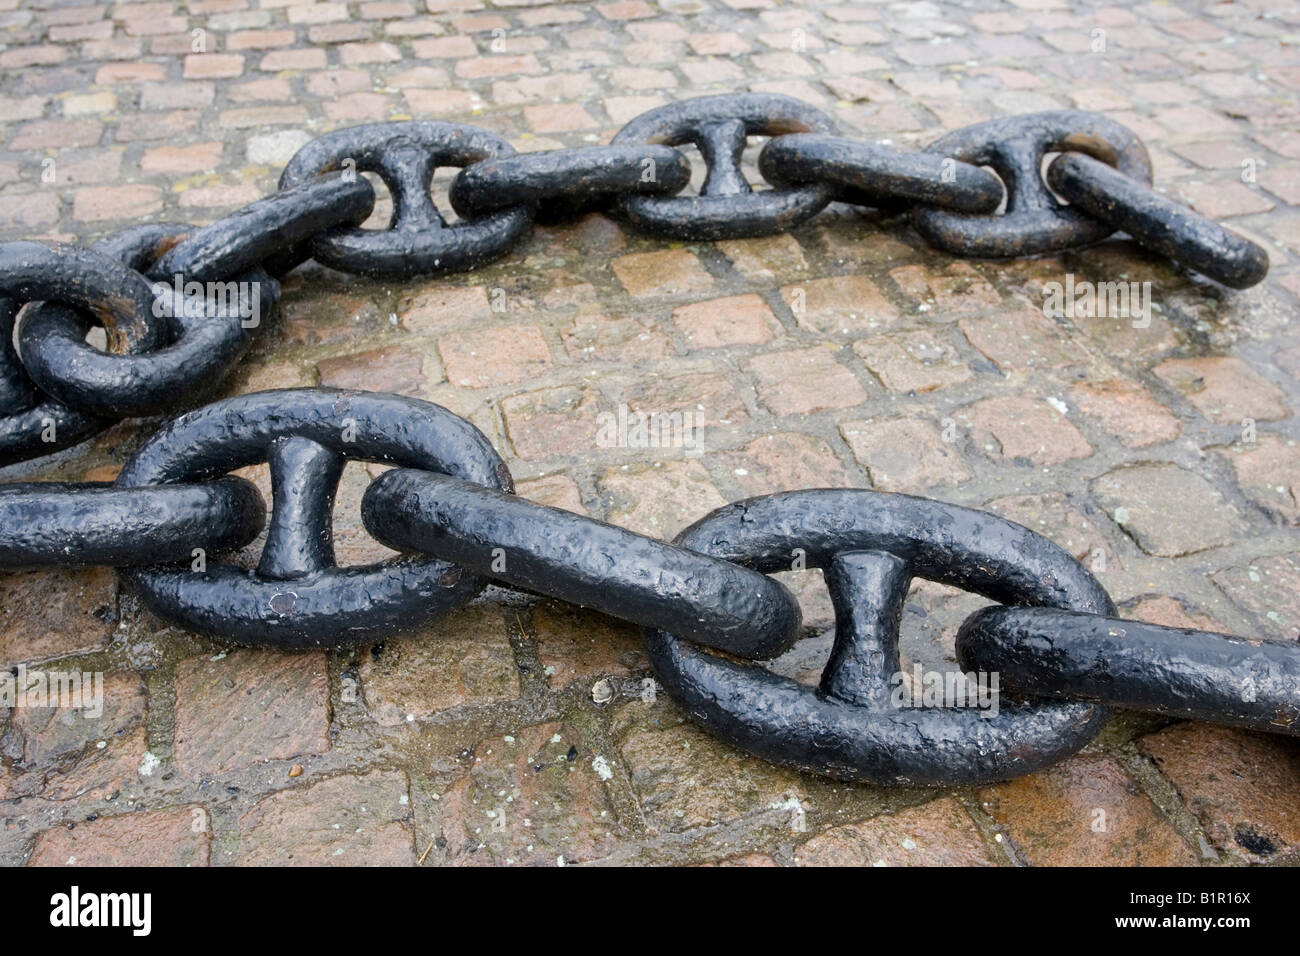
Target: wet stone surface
{"points": [[1238, 784], [938, 834], [1084, 812], [533, 797], [1159, 448]]}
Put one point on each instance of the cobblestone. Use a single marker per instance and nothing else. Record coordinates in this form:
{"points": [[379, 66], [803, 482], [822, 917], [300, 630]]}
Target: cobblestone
{"points": [[178, 837], [1084, 812], [938, 834], [844, 353]]}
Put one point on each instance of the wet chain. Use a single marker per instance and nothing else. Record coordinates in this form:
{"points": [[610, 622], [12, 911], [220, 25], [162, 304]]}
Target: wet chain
{"points": [[180, 305], [1056, 653]]}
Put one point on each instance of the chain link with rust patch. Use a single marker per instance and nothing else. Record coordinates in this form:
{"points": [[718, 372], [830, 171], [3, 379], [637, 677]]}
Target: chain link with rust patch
{"points": [[172, 302]]}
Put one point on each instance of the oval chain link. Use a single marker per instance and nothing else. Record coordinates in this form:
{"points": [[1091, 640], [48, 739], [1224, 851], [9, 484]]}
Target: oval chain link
{"points": [[62, 390], [151, 289]]}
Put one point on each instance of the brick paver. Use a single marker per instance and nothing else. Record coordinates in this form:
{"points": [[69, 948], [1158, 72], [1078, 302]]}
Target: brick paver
{"points": [[1162, 452]]}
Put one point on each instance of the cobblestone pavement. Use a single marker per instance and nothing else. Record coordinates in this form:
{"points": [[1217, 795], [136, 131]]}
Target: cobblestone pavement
{"points": [[846, 353]]}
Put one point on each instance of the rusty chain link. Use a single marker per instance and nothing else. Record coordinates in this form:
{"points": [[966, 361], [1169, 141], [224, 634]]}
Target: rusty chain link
{"points": [[180, 305]]}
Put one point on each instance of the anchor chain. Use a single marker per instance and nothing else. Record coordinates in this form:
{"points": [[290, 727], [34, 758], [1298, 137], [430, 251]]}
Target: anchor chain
{"points": [[709, 611], [178, 306], [167, 347]]}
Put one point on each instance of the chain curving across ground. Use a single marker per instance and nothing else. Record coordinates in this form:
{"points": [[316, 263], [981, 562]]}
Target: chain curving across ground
{"points": [[1162, 452]]}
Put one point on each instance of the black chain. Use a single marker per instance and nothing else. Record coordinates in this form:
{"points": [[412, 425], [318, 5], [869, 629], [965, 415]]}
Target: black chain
{"points": [[167, 347], [180, 305]]}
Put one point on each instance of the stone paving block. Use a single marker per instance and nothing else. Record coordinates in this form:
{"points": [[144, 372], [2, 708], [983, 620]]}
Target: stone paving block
{"points": [[804, 381], [1168, 510], [786, 461], [353, 545], [182, 159], [1221, 200], [144, 126], [554, 491], [661, 499], [1022, 338], [397, 368], [91, 747], [905, 454], [245, 707], [844, 305], [444, 47], [361, 820], [465, 659], [557, 118], [940, 833], [1024, 430], [56, 134], [497, 356], [176, 837], [218, 196], [553, 421], [1239, 785], [53, 613], [684, 779], [957, 288], [501, 65], [29, 211], [911, 362], [442, 307], [766, 259], [1125, 339], [738, 320], [1086, 811], [1170, 612], [212, 66], [106, 167], [1269, 589], [574, 645], [89, 103], [1127, 412], [1286, 230], [668, 272], [1268, 472], [346, 318], [587, 235], [533, 797], [1225, 389], [623, 339], [102, 203], [707, 398]]}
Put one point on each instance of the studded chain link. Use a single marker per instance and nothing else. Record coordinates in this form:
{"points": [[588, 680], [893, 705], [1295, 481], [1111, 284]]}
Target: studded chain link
{"points": [[180, 305]]}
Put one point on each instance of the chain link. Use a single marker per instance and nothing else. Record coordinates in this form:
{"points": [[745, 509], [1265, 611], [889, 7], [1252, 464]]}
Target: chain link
{"points": [[727, 207], [298, 596], [1178, 672], [878, 175], [1034, 222], [564, 182], [168, 346], [174, 303], [87, 523], [852, 726], [1156, 222], [418, 241], [560, 554]]}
